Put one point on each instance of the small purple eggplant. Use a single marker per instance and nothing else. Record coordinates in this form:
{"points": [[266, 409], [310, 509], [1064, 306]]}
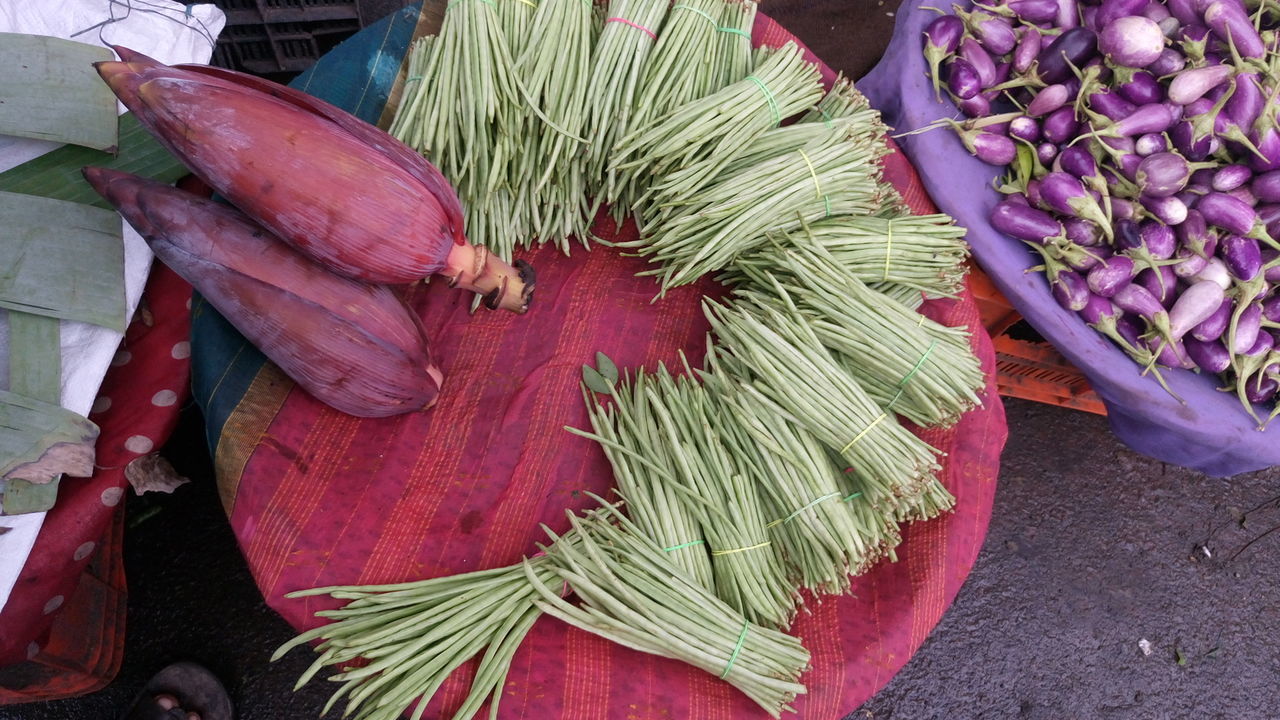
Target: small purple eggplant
{"points": [[1246, 325], [1260, 389], [1159, 240], [1168, 210], [1034, 11], [1070, 290], [1267, 141], [1214, 271], [975, 55], [1241, 255], [1108, 276], [1078, 161], [1084, 233], [1261, 346], [1025, 223], [1271, 309], [1151, 118], [1184, 10], [993, 149], [1266, 187], [1048, 99], [1215, 323], [1110, 105], [1046, 152], [1028, 49], [1229, 22], [1133, 41], [962, 79], [1156, 12], [1244, 195], [1230, 177], [1072, 47], [1183, 137], [1064, 193], [1138, 87], [1160, 282], [1228, 213], [1190, 264], [1068, 15], [1191, 85], [1210, 356], [1150, 144], [1195, 305], [994, 32], [1162, 174], [1122, 209], [1111, 10], [1193, 233], [941, 39], [1060, 125], [1169, 62], [978, 106]]}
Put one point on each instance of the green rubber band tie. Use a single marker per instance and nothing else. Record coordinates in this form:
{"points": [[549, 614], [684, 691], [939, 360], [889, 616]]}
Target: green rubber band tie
{"points": [[682, 546], [414, 78], [826, 117], [826, 200], [735, 31], [796, 514], [695, 11], [768, 95], [902, 386], [851, 497], [742, 638]]}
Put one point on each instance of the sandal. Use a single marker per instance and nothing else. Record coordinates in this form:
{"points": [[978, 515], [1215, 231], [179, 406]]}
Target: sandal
{"points": [[193, 688]]}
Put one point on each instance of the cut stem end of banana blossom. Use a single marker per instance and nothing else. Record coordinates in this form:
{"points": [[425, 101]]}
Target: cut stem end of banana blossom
{"points": [[474, 268]]}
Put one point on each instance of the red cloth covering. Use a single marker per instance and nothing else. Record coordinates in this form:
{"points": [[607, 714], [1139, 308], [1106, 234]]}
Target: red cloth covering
{"points": [[320, 498], [62, 631]]}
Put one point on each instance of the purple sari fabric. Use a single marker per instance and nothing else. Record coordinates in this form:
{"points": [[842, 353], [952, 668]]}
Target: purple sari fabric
{"points": [[1210, 431]]}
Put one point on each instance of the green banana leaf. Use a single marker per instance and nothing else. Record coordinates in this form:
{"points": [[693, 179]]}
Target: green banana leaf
{"points": [[50, 91]]}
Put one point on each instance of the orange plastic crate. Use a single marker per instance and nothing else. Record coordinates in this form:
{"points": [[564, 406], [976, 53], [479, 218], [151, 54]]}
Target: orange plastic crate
{"points": [[1029, 370]]}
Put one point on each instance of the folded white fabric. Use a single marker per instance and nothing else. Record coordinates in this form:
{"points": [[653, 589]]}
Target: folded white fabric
{"points": [[171, 33]]}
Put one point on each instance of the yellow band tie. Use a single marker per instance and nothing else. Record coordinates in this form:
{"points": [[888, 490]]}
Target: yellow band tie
{"points": [[864, 432], [888, 245], [757, 546], [530, 3], [796, 514], [814, 173]]}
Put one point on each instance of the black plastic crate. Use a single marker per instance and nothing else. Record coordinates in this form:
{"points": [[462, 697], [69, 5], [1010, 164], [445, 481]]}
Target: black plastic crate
{"points": [[255, 12], [279, 48]]}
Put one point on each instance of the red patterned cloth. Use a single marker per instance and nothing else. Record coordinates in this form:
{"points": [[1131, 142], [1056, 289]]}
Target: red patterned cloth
{"points": [[62, 631], [321, 498]]}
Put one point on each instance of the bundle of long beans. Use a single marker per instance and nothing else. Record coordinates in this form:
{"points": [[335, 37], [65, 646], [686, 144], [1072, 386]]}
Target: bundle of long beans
{"points": [[833, 176], [906, 362], [792, 374], [464, 97], [823, 534], [748, 574], [922, 253], [686, 65], [415, 634], [630, 32], [556, 75], [646, 477], [712, 130], [632, 594]]}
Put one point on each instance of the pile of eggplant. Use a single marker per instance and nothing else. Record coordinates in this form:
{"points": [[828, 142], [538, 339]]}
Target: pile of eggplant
{"points": [[1143, 153]]}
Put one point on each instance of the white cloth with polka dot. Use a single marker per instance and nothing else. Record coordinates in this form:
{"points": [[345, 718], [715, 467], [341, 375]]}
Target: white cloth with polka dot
{"points": [[171, 34]]}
